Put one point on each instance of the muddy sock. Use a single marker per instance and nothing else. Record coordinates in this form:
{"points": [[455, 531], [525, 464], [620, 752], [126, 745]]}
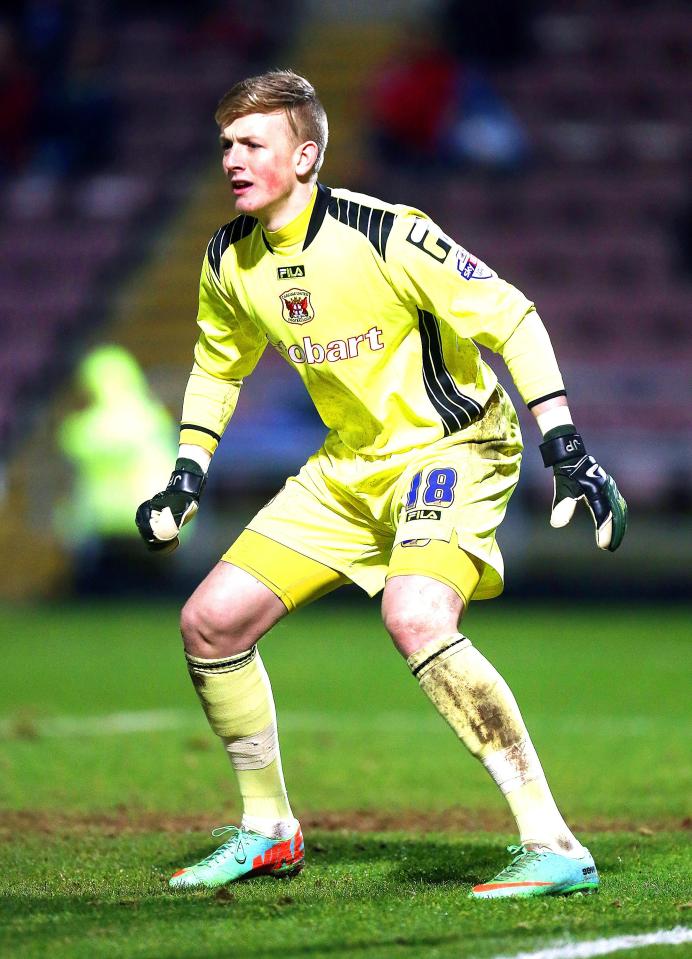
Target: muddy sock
{"points": [[479, 706]]}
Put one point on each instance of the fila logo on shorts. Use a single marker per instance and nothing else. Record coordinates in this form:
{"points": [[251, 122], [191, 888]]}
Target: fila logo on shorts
{"points": [[335, 350]]}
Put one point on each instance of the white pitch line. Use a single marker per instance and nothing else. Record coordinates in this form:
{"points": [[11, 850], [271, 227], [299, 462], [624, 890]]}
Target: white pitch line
{"points": [[602, 947], [164, 720], [109, 724]]}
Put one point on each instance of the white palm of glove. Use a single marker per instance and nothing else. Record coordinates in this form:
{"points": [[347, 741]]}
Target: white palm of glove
{"points": [[587, 481], [564, 511], [163, 523]]}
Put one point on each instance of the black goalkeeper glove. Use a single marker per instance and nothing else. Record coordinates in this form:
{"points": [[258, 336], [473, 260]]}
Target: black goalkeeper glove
{"points": [[160, 519], [579, 477]]}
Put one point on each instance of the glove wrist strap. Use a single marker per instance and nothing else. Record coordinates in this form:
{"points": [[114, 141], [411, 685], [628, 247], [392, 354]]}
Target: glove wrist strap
{"points": [[187, 477], [560, 444]]}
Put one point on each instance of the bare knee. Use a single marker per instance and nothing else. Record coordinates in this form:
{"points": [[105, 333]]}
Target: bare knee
{"points": [[200, 631], [412, 628], [228, 613], [213, 630], [417, 610]]}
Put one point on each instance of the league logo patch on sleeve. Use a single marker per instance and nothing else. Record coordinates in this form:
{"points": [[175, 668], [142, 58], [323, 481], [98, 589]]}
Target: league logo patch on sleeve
{"points": [[470, 267], [296, 306]]}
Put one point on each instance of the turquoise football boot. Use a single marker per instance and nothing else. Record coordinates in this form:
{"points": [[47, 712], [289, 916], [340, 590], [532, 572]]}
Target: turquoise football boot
{"points": [[540, 873], [243, 855]]}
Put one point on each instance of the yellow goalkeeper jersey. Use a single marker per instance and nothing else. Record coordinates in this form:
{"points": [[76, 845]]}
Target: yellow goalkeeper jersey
{"points": [[377, 310]]}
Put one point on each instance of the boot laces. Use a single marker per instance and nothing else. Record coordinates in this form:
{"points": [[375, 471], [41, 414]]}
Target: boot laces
{"points": [[236, 840], [522, 857]]}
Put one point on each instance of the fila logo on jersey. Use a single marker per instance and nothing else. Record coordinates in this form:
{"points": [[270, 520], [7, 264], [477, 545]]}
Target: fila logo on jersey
{"points": [[289, 272], [335, 350], [296, 306]]}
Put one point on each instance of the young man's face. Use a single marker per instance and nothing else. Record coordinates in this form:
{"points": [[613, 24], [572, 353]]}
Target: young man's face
{"points": [[262, 162]]}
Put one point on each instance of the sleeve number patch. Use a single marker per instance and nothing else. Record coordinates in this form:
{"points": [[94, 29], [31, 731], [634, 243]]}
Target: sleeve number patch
{"points": [[436, 245], [438, 490]]}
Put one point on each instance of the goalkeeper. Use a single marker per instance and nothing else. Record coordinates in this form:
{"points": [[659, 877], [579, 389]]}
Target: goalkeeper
{"points": [[379, 312]]}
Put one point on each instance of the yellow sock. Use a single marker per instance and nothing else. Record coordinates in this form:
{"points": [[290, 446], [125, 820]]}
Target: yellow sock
{"points": [[236, 696], [480, 707]]}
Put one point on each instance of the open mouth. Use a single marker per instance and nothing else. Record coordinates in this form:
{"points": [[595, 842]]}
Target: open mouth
{"points": [[240, 187]]}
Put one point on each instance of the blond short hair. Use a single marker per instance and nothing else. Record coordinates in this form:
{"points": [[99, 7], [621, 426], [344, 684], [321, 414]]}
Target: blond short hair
{"points": [[274, 91]]}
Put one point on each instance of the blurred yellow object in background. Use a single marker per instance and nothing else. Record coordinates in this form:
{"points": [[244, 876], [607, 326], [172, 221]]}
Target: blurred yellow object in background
{"points": [[121, 446]]}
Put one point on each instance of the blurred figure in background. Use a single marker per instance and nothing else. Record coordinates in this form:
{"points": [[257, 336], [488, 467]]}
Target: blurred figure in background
{"points": [[119, 445], [80, 116], [56, 87], [258, 30], [682, 238], [428, 106], [18, 97], [497, 34]]}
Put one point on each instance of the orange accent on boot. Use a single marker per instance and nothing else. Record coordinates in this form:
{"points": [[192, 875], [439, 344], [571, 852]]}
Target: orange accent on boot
{"points": [[485, 886], [283, 853]]}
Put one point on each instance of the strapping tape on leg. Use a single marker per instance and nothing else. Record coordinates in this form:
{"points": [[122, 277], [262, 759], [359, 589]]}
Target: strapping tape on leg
{"points": [[253, 752], [514, 766]]}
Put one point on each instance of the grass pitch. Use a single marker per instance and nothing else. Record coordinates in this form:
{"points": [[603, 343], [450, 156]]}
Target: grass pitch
{"points": [[109, 780]]}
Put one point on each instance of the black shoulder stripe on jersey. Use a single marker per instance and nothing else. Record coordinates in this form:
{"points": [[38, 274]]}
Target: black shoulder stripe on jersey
{"points": [[226, 236], [319, 211], [386, 224], [376, 225], [352, 212], [456, 410]]}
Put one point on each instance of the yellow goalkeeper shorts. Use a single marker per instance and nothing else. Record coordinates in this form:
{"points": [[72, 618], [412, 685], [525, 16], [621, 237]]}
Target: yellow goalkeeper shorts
{"points": [[430, 511]]}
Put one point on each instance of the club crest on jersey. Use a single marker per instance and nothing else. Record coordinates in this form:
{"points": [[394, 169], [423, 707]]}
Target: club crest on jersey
{"points": [[296, 306], [471, 268]]}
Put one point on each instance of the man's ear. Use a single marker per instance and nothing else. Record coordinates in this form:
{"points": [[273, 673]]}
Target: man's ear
{"points": [[306, 158]]}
